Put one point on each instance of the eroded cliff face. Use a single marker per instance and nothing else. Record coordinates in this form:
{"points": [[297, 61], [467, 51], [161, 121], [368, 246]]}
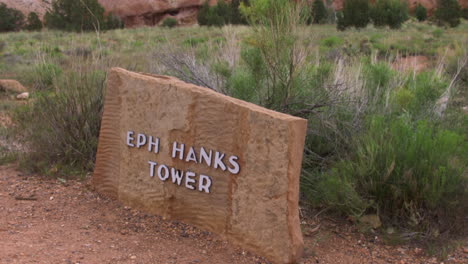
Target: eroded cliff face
{"points": [[136, 13], [152, 12], [27, 6]]}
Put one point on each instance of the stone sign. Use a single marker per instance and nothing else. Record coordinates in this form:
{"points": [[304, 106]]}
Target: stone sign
{"points": [[188, 153]]}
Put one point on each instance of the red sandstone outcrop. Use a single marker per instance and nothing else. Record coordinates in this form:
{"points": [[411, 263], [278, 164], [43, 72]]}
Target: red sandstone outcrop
{"points": [[27, 6], [153, 12]]}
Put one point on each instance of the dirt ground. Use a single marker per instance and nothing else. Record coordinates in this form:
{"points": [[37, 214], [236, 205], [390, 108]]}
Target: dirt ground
{"points": [[56, 221]]}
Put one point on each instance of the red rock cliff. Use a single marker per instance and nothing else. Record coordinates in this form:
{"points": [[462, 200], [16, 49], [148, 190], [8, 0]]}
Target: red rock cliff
{"points": [[152, 12]]}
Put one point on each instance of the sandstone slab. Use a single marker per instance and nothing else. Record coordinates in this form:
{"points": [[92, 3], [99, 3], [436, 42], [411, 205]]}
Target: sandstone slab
{"points": [[188, 153], [12, 86]]}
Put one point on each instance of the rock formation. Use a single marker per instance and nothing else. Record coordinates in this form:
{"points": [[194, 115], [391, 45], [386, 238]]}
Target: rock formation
{"points": [[153, 12], [27, 6], [12, 86], [191, 154]]}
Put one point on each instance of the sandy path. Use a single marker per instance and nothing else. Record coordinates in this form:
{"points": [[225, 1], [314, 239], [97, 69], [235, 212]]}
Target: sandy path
{"points": [[69, 223]]}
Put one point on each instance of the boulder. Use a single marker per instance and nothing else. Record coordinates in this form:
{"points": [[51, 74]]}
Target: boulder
{"points": [[153, 12], [372, 220], [188, 153], [12, 86], [22, 96]]}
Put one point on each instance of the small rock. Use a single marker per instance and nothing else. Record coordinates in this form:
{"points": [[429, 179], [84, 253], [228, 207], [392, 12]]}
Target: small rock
{"points": [[465, 109], [133, 257], [372, 219], [465, 250], [12, 86], [22, 96]]}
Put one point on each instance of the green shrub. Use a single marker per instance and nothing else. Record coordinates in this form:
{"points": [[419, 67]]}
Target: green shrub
{"points": [[355, 13], [62, 127], [420, 12], [83, 15], [437, 33], [220, 14], [114, 22], [169, 22], [418, 95], [240, 85], [203, 12], [236, 17], [10, 19], [44, 75], [390, 13], [33, 22], [194, 41], [409, 173], [341, 24], [378, 77], [212, 16], [275, 33], [464, 13], [427, 89], [448, 12], [331, 42], [319, 12], [223, 10]]}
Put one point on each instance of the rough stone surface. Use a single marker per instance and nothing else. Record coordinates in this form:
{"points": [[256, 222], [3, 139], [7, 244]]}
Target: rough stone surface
{"points": [[22, 96], [256, 208], [27, 6], [153, 12], [12, 86]]}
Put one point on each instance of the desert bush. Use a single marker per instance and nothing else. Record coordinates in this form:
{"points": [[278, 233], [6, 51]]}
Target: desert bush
{"points": [[377, 78], [355, 13], [202, 15], [420, 12], [380, 144], [448, 12], [44, 75], [423, 90], [83, 15], [331, 42], [220, 14], [236, 17], [169, 22], [61, 127], [403, 170], [319, 12], [275, 33], [10, 19], [390, 13], [187, 67], [33, 22], [208, 16], [464, 13]]}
